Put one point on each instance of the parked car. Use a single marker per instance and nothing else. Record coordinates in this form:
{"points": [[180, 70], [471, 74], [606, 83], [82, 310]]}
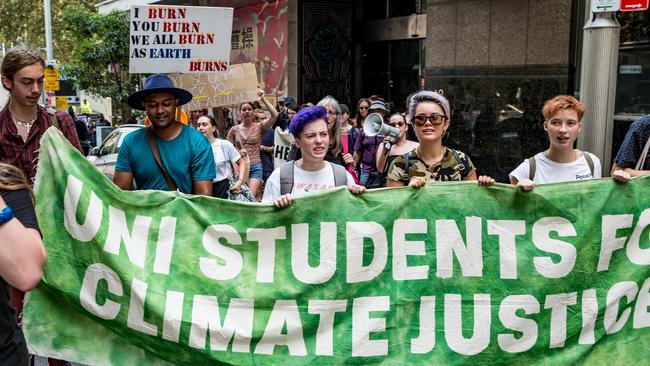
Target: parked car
{"points": [[105, 155]]}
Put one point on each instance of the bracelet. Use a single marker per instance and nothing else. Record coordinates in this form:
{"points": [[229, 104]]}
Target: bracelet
{"points": [[6, 214]]}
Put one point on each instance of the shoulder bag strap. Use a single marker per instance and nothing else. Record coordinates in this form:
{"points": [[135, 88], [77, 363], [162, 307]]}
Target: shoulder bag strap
{"points": [[590, 161], [641, 162], [156, 155]]}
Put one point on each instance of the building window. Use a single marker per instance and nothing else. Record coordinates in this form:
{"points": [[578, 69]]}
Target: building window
{"points": [[633, 84], [633, 79], [383, 9], [635, 26]]}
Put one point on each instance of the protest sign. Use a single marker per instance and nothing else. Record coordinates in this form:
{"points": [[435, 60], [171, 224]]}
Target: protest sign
{"points": [[236, 85], [282, 141], [167, 39], [447, 274]]}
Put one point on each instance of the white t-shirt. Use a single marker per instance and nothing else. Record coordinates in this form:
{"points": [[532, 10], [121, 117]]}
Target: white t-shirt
{"points": [[224, 151], [304, 182], [548, 171]]}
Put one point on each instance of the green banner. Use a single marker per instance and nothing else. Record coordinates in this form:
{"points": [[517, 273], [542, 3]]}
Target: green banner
{"points": [[451, 273]]}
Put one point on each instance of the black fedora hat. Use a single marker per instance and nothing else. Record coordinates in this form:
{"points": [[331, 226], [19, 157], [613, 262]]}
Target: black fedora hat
{"points": [[158, 83]]}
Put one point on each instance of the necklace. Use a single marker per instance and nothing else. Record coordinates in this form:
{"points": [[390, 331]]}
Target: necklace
{"points": [[435, 161], [24, 124]]}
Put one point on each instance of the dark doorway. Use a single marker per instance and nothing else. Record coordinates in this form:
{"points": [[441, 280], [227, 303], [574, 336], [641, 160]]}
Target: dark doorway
{"points": [[391, 69]]}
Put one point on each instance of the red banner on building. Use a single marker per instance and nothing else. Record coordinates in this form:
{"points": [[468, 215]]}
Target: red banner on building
{"points": [[259, 36]]}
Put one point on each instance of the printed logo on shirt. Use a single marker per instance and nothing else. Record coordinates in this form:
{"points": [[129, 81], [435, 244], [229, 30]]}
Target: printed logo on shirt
{"points": [[311, 187], [584, 176]]}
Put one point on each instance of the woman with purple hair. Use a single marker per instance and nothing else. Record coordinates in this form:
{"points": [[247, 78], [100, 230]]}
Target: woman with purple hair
{"points": [[310, 173]]}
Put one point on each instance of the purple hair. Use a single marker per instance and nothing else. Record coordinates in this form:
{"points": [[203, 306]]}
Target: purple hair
{"points": [[306, 116]]}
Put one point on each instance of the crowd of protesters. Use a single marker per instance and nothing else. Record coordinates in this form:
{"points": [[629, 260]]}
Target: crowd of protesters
{"points": [[329, 147]]}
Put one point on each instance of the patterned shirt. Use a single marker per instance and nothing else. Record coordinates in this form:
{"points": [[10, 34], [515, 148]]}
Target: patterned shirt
{"points": [[24, 154], [632, 146], [454, 166]]}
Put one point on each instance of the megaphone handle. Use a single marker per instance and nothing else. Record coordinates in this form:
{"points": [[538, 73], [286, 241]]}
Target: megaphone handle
{"points": [[388, 145]]}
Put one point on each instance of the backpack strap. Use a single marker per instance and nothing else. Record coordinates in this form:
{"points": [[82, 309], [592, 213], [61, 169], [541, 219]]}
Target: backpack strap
{"points": [[590, 161], [532, 167], [340, 175], [286, 177], [406, 168], [156, 154], [459, 164]]}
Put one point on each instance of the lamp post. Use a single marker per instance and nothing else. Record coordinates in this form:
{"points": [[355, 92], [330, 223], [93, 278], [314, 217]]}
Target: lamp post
{"points": [[598, 84]]}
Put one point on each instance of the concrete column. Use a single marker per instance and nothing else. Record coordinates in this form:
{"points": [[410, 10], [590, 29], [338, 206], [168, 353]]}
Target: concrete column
{"points": [[598, 85]]}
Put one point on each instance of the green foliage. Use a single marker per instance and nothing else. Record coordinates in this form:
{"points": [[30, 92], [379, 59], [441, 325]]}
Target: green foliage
{"points": [[22, 22], [101, 55]]}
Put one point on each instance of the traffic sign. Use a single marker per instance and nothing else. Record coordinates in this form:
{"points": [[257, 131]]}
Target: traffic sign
{"points": [[51, 73], [634, 5], [61, 103], [52, 85], [603, 6]]}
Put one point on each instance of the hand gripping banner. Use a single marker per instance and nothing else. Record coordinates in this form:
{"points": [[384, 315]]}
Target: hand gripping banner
{"points": [[451, 273]]}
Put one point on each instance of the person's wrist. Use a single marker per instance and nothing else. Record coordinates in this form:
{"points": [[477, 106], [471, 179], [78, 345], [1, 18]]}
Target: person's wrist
{"points": [[6, 214]]}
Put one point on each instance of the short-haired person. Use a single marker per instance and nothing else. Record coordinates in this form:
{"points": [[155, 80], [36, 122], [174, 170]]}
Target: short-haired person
{"points": [[22, 258], [310, 173], [186, 161], [248, 136], [22, 121], [631, 160], [560, 162], [283, 118], [226, 159], [291, 109], [431, 160]]}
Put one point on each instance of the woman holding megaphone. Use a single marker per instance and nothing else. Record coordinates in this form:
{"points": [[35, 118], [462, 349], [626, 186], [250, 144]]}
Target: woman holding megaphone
{"points": [[431, 160], [394, 147]]}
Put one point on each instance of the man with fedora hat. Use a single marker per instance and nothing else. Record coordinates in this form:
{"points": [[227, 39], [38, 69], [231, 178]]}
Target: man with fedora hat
{"points": [[365, 149], [378, 106], [167, 155]]}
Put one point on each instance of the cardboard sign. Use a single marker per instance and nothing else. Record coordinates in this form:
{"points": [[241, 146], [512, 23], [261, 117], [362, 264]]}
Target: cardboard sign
{"points": [[183, 39], [282, 141], [237, 85]]}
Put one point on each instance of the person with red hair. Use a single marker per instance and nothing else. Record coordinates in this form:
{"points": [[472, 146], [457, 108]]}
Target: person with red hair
{"points": [[560, 162]]}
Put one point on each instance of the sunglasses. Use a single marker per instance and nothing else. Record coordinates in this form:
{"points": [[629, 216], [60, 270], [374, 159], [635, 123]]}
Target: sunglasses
{"points": [[397, 124], [363, 108], [435, 119]]}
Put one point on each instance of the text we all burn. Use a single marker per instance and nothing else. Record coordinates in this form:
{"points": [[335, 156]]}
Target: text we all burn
{"points": [[164, 20]]}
